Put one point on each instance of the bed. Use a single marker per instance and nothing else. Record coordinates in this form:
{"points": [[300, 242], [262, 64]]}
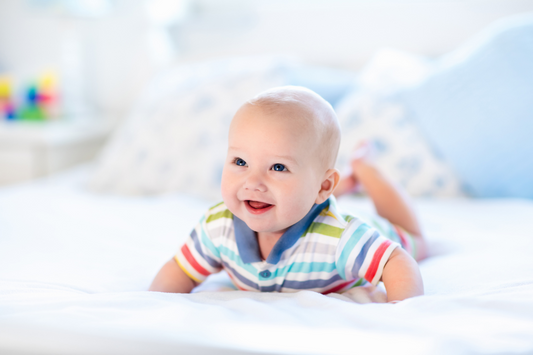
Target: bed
{"points": [[79, 250], [77, 284]]}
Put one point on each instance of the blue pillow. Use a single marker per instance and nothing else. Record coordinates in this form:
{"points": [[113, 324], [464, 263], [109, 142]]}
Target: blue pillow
{"points": [[477, 110]]}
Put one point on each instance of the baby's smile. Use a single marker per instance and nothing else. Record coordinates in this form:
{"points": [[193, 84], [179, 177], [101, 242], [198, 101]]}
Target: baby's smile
{"points": [[257, 207], [275, 168]]}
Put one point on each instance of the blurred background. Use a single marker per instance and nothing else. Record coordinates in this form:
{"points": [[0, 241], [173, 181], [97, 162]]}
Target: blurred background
{"points": [[72, 70], [104, 51]]}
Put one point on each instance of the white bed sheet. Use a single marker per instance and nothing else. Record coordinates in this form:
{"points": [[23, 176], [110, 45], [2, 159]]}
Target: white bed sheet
{"points": [[74, 267]]}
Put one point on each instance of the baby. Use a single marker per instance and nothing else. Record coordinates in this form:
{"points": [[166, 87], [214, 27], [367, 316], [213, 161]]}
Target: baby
{"points": [[279, 228]]}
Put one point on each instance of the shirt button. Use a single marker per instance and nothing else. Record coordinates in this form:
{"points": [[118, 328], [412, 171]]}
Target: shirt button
{"points": [[265, 273]]}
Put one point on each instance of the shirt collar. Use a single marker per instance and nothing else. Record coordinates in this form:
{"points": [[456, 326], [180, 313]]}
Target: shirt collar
{"points": [[249, 247]]}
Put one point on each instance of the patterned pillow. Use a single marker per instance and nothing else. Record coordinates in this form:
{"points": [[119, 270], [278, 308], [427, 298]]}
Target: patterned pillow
{"points": [[373, 113], [176, 137]]}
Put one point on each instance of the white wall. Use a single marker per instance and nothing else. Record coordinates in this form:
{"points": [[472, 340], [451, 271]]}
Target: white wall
{"points": [[342, 33]]}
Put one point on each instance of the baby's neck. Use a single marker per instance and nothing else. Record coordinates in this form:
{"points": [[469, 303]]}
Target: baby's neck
{"points": [[266, 241]]}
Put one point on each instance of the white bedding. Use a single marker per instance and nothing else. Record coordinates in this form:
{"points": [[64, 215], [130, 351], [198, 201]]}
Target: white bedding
{"points": [[74, 267]]}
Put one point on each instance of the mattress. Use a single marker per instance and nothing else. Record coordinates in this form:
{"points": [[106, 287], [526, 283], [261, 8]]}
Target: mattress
{"points": [[75, 267]]}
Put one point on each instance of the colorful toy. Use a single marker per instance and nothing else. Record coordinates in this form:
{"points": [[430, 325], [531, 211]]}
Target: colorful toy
{"points": [[7, 109], [39, 102], [47, 96]]}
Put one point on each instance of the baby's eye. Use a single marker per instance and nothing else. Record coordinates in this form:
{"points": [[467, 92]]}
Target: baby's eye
{"points": [[240, 162], [279, 167]]}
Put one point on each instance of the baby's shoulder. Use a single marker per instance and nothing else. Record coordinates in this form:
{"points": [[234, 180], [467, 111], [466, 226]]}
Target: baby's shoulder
{"points": [[359, 220], [329, 223], [218, 212], [335, 219], [217, 220]]}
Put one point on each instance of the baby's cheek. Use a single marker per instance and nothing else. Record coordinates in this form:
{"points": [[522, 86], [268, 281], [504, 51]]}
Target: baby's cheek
{"points": [[226, 189], [227, 194], [299, 201]]}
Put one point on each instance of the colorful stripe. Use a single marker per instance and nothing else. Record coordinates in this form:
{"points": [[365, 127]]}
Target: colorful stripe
{"points": [[374, 264], [236, 283], [221, 214], [185, 270], [240, 280], [354, 250], [318, 284], [203, 254], [403, 238], [335, 253], [192, 261], [407, 240], [324, 229], [340, 287]]}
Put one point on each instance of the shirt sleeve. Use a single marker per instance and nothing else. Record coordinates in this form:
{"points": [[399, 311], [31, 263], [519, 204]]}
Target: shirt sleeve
{"points": [[362, 252], [198, 257]]}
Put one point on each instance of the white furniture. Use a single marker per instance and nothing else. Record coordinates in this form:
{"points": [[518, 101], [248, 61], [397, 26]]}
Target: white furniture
{"points": [[31, 150]]}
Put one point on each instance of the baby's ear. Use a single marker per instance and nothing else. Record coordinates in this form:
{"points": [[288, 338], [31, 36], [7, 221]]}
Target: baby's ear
{"points": [[329, 183]]}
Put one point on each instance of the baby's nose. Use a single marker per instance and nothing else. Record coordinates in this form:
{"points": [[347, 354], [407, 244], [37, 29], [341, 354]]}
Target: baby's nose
{"points": [[255, 182]]}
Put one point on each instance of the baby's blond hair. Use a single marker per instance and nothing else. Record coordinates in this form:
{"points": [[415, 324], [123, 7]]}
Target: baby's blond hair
{"points": [[312, 109]]}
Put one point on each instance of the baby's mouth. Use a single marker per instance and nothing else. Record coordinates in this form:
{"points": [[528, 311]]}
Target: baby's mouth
{"points": [[257, 205]]}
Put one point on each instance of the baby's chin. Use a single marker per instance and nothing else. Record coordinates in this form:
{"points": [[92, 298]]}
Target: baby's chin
{"points": [[261, 226]]}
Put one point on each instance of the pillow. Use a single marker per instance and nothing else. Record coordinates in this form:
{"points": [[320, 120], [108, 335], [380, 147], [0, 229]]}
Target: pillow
{"points": [[373, 113], [176, 137], [477, 110]]}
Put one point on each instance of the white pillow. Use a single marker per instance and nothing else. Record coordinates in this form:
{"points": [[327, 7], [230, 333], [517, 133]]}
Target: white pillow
{"points": [[372, 113], [176, 137]]}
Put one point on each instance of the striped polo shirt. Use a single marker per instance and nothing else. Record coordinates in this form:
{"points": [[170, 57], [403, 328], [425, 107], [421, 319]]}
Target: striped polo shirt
{"points": [[325, 252]]}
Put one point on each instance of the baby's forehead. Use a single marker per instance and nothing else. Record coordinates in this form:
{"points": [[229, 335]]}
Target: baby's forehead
{"points": [[295, 108], [298, 110], [288, 117]]}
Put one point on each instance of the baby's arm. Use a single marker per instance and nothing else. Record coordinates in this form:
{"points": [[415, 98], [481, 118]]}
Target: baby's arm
{"points": [[401, 276], [171, 278]]}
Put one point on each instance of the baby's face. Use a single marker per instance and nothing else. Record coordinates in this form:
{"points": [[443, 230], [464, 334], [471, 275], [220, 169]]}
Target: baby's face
{"points": [[271, 176]]}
